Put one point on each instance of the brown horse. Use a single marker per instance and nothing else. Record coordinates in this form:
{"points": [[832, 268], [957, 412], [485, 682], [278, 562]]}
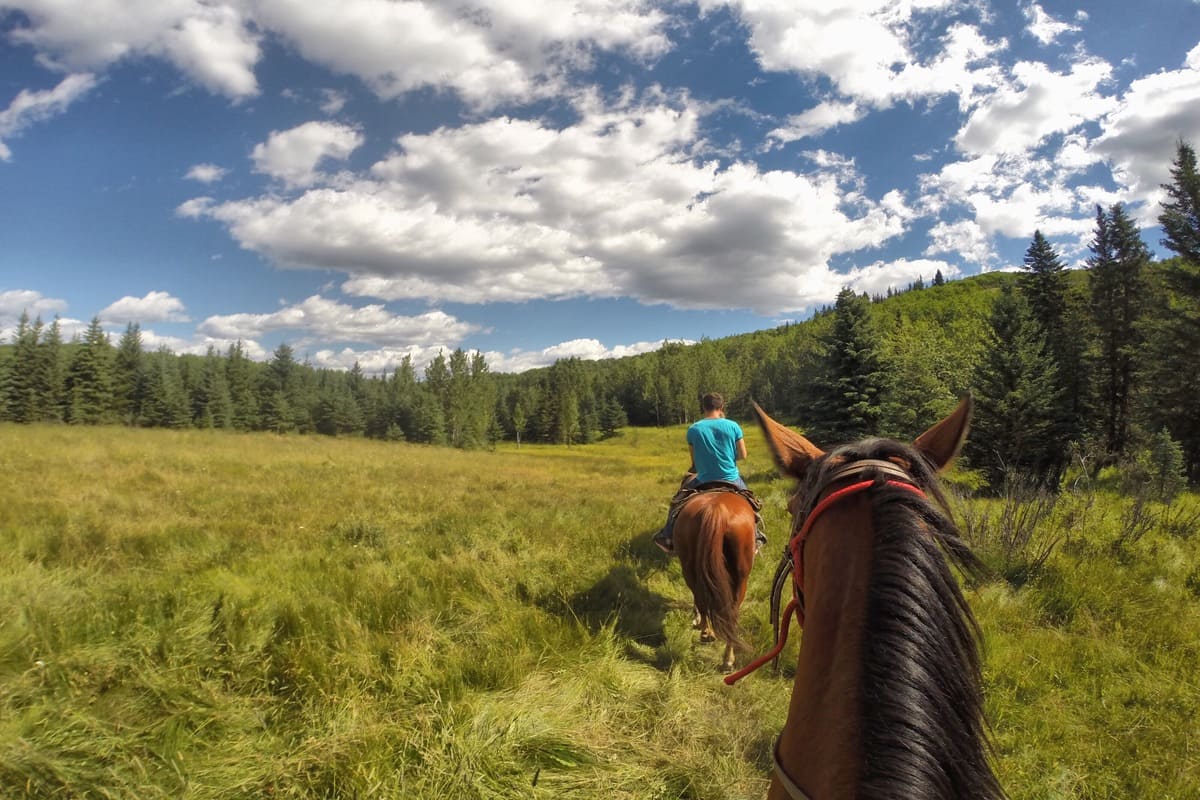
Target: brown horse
{"points": [[887, 699], [714, 537]]}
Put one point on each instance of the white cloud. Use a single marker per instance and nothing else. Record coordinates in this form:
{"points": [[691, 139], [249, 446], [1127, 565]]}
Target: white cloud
{"points": [[1044, 27], [865, 47], [488, 51], [1139, 135], [154, 307], [387, 359], [965, 239], [198, 345], [206, 173], [1039, 104], [333, 101], [208, 40], [586, 349], [293, 155], [28, 108], [14, 302], [614, 204], [817, 120], [328, 320], [216, 48], [194, 208], [378, 361], [877, 278]]}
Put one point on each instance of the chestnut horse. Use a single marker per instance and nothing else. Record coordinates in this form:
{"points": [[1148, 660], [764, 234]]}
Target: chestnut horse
{"points": [[887, 700], [714, 537]]}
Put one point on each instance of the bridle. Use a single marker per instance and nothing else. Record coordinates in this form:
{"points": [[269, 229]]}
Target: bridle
{"points": [[883, 473]]}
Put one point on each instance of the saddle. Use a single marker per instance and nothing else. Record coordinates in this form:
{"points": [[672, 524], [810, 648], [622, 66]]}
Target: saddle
{"points": [[683, 495]]}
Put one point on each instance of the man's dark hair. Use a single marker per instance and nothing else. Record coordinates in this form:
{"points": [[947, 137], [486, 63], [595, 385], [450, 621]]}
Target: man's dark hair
{"points": [[712, 402]]}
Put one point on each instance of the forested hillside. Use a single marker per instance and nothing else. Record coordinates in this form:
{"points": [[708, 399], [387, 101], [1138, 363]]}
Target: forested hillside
{"points": [[1098, 365]]}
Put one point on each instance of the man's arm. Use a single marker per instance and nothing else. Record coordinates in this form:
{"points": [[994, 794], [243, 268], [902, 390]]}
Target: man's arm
{"points": [[741, 450]]}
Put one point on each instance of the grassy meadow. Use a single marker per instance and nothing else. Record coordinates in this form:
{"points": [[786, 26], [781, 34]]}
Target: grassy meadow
{"points": [[214, 615]]}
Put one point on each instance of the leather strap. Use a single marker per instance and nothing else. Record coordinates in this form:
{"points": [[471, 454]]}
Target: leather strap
{"points": [[785, 780], [889, 468]]}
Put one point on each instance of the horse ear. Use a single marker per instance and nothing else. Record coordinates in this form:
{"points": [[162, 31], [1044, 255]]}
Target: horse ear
{"points": [[941, 443], [793, 453]]}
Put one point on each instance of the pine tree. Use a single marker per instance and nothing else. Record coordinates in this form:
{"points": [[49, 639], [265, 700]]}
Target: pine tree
{"points": [[1119, 260], [239, 377], [166, 403], [211, 402], [1180, 217], [848, 396], [278, 390], [50, 376], [21, 401], [1172, 354], [129, 375], [89, 384], [612, 418], [429, 419], [458, 400], [1013, 429], [1044, 285], [1064, 323]]}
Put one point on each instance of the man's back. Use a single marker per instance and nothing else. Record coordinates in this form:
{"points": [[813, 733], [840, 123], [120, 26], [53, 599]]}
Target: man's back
{"points": [[714, 442]]}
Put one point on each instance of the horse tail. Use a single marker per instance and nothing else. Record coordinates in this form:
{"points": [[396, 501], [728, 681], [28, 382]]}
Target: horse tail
{"points": [[725, 553]]}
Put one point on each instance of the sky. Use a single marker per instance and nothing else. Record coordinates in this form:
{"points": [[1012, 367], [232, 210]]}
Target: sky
{"points": [[539, 179]]}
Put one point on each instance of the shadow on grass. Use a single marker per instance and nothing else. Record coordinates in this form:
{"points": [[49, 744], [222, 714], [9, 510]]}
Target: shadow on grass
{"points": [[620, 600], [644, 554]]}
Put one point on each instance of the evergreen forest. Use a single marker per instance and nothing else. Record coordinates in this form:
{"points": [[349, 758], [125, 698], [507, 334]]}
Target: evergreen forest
{"points": [[1087, 367]]}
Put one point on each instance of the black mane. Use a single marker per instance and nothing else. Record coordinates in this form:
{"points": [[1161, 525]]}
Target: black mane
{"points": [[923, 730]]}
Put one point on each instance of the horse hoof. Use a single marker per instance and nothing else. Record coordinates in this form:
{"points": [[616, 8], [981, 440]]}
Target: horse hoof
{"points": [[725, 669], [707, 638]]}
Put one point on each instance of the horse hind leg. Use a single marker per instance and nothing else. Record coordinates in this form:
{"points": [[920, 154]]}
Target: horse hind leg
{"points": [[700, 622], [727, 662]]}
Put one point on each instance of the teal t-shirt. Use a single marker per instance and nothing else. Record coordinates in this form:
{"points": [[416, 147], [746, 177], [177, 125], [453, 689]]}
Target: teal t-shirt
{"points": [[715, 443]]}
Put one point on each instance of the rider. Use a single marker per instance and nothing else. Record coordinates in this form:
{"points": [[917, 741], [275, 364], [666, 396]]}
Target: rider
{"points": [[716, 445]]}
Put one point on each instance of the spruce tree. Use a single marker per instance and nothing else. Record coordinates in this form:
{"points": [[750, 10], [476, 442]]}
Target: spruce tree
{"points": [[166, 403], [1014, 431], [239, 377], [21, 400], [89, 384], [50, 377], [1115, 274], [211, 402], [848, 396], [129, 375], [1172, 355], [1180, 217], [278, 391], [1044, 285], [1064, 322]]}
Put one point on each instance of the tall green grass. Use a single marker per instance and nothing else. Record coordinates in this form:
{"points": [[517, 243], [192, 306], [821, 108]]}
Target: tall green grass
{"points": [[209, 615]]}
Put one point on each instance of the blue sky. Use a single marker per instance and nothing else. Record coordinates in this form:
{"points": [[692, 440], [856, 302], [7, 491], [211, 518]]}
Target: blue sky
{"points": [[370, 179]]}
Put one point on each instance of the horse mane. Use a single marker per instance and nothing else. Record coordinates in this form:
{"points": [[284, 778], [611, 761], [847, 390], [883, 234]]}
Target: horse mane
{"points": [[922, 706]]}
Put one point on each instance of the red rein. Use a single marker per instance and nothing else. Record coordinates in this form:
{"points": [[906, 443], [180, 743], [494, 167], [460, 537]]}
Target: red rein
{"points": [[796, 545]]}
